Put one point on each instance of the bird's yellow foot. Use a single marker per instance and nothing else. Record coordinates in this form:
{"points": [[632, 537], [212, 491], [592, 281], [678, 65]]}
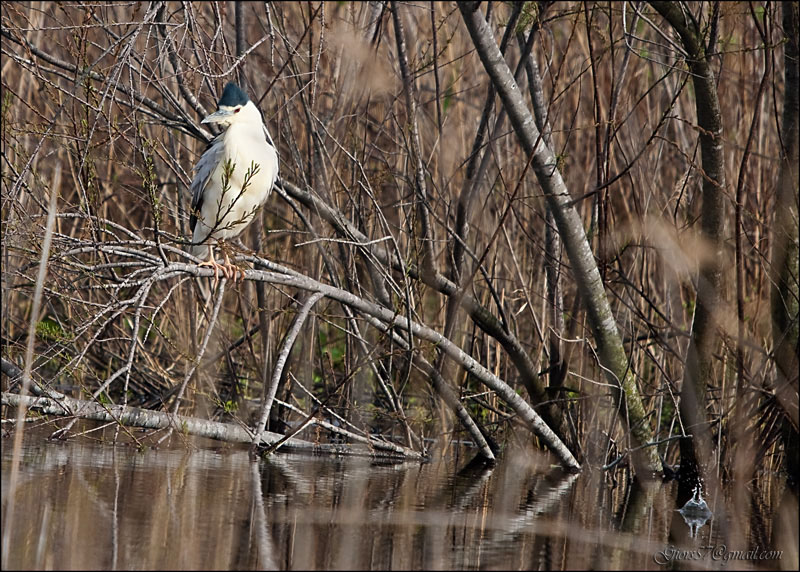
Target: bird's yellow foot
{"points": [[233, 270], [225, 269]]}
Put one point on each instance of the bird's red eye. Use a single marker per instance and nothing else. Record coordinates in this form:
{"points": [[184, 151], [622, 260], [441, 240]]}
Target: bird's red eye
{"points": [[237, 110]]}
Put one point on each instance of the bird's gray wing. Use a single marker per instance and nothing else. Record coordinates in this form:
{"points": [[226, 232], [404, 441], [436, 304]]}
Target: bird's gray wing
{"points": [[202, 173]]}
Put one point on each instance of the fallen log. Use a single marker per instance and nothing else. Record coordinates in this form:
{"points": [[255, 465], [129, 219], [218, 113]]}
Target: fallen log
{"points": [[65, 406]]}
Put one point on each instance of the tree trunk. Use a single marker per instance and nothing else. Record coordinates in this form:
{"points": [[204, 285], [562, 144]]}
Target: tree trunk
{"points": [[786, 250], [587, 277], [704, 339]]}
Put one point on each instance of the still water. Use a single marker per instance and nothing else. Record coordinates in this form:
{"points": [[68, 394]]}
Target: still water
{"points": [[197, 504]]}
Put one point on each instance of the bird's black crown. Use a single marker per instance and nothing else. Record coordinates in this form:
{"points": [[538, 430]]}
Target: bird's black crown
{"points": [[233, 96]]}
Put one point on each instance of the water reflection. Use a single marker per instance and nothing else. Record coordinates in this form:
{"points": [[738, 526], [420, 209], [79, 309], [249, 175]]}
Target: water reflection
{"points": [[695, 512], [84, 505]]}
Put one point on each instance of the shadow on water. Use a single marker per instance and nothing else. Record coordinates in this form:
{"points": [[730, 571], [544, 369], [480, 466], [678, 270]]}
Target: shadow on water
{"points": [[87, 505]]}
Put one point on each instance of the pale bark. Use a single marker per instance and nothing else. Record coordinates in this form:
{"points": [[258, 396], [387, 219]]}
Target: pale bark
{"points": [[483, 318], [54, 403], [284, 276], [604, 328], [148, 419], [283, 355]]}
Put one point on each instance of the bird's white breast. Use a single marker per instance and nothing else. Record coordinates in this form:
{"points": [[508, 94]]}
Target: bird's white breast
{"points": [[245, 146]]}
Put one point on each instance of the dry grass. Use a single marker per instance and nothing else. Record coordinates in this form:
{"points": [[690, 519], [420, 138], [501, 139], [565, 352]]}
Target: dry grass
{"points": [[94, 104]]}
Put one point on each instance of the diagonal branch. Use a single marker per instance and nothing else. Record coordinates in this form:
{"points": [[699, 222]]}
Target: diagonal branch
{"points": [[606, 335]]}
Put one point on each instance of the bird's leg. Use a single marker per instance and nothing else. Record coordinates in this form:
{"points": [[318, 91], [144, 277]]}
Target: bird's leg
{"points": [[229, 268], [233, 269], [215, 265]]}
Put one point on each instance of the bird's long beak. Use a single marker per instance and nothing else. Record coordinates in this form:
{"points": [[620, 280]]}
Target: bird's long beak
{"points": [[217, 116]]}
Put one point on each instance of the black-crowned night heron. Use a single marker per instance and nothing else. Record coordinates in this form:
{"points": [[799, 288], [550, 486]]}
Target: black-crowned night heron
{"points": [[232, 179]]}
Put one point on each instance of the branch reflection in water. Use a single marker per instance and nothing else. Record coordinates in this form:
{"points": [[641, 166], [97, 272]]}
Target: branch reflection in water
{"points": [[196, 505]]}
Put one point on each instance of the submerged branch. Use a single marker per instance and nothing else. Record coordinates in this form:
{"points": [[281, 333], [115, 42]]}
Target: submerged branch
{"points": [[227, 432]]}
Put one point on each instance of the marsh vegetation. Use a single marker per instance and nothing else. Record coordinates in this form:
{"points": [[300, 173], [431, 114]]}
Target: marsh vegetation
{"points": [[598, 256]]}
